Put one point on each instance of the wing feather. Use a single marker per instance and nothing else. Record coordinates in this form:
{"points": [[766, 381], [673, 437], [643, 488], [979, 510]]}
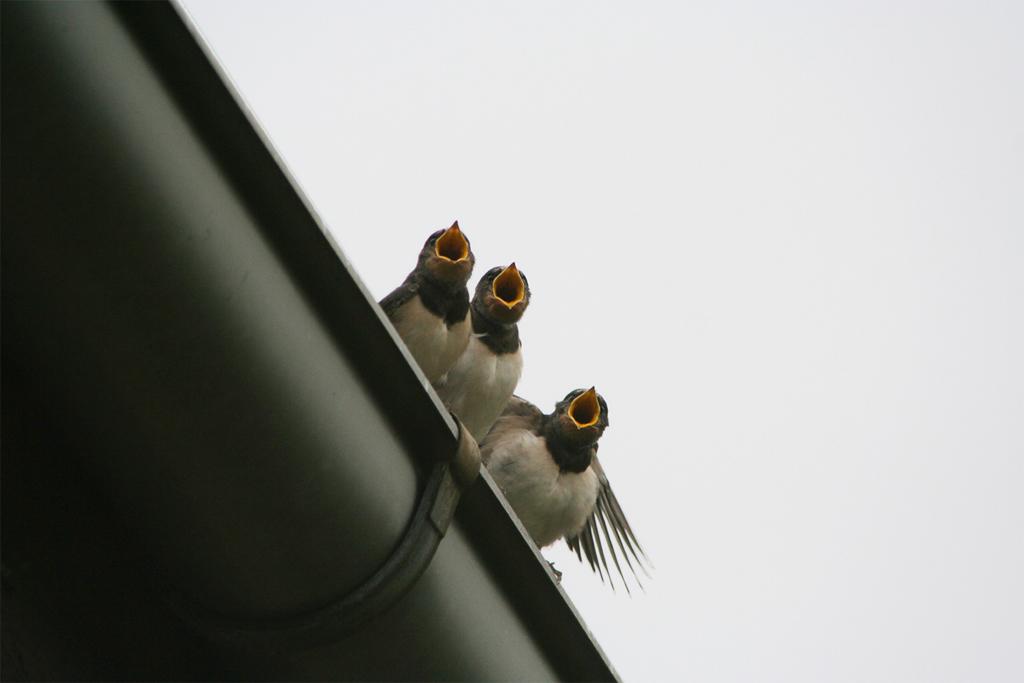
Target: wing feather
{"points": [[520, 407], [602, 519], [600, 552], [623, 542], [399, 296]]}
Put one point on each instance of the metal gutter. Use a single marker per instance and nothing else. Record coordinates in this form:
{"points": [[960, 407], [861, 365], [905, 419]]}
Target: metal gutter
{"points": [[173, 307]]}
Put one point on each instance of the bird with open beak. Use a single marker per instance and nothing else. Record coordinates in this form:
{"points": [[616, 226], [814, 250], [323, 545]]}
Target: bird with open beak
{"points": [[481, 382], [430, 309], [547, 467]]}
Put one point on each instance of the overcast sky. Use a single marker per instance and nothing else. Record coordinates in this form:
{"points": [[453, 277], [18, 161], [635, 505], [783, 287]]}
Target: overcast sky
{"points": [[784, 240]]}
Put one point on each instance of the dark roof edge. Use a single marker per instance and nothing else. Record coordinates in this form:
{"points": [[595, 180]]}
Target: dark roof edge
{"points": [[258, 130]]}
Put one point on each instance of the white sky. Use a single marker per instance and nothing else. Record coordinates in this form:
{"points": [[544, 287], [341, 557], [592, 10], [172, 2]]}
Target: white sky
{"points": [[786, 245]]}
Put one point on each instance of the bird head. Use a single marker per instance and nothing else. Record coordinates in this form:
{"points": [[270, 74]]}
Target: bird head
{"points": [[502, 294], [446, 256], [581, 417]]}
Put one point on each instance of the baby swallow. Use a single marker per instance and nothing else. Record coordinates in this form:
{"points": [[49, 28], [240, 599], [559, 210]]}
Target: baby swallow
{"points": [[481, 382], [430, 309], [547, 467]]}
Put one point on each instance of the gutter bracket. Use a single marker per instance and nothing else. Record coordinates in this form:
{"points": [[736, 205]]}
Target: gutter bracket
{"points": [[395, 577]]}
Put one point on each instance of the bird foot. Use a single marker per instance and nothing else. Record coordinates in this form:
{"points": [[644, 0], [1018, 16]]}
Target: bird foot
{"points": [[558, 574]]}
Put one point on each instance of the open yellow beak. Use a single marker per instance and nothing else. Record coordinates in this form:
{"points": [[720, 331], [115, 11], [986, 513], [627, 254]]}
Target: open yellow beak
{"points": [[508, 287], [452, 245], [585, 409]]}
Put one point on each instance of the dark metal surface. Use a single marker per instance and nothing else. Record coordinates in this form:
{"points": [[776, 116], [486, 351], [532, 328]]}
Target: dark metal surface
{"points": [[178, 329], [376, 595], [153, 308]]}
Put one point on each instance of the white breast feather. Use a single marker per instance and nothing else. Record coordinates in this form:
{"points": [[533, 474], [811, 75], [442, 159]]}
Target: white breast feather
{"points": [[434, 345], [550, 503], [480, 384]]}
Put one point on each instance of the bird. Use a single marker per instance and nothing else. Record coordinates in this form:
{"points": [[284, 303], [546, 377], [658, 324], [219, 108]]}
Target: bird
{"points": [[481, 382], [546, 466], [430, 309]]}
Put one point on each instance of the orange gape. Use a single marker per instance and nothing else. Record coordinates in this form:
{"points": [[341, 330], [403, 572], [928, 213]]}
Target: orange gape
{"points": [[452, 245], [508, 287], [585, 411]]}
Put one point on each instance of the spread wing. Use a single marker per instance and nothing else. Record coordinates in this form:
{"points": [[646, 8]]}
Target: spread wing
{"points": [[608, 522], [401, 294]]}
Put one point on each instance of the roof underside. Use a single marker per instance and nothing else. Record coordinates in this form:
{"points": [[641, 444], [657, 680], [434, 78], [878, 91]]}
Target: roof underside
{"points": [[201, 398]]}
